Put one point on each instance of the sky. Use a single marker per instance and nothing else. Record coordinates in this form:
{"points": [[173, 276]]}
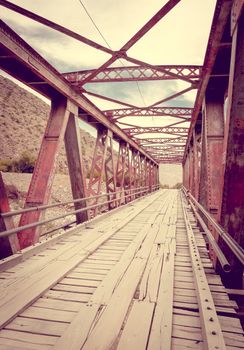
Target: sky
{"points": [[179, 38]]}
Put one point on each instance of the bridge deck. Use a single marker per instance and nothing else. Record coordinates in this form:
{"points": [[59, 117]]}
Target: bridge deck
{"points": [[122, 281]]}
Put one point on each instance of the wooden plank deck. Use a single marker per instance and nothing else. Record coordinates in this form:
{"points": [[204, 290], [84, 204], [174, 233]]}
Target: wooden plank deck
{"points": [[125, 280]]}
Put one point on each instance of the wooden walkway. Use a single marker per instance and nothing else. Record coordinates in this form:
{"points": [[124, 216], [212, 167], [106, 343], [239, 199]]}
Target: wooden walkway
{"points": [[137, 278]]}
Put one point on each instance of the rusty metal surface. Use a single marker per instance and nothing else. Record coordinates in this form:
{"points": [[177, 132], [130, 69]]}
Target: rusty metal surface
{"points": [[138, 73]]}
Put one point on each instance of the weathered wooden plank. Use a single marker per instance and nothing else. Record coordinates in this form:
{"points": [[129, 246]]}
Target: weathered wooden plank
{"points": [[69, 296], [137, 328], [42, 313], [26, 340], [32, 325], [212, 335]]}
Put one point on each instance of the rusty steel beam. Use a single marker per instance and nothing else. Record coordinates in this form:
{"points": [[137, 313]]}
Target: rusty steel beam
{"points": [[41, 183], [27, 65], [110, 172], [97, 171], [165, 148], [8, 245], [149, 130], [135, 73], [153, 140], [122, 171], [75, 163], [177, 112]]}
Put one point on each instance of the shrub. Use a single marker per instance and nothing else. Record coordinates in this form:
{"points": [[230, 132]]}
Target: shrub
{"points": [[24, 164], [177, 186], [164, 186]]}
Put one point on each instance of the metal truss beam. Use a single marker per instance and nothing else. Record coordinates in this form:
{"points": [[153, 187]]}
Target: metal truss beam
{"points": [[180, 112], [123, 175], [150, 141], [42, 179], [8, 245], [110, 172], [98, 167], [161, 130], [75, 162], [135, 73]]}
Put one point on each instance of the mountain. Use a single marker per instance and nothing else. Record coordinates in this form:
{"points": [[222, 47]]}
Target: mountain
{"points": [[23, 117]]}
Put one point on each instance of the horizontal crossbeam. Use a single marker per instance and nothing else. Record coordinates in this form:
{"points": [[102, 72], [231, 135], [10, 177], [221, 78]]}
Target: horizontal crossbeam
{"points": [[149, 130], [183, 112], [150, 141], [135, 73]]}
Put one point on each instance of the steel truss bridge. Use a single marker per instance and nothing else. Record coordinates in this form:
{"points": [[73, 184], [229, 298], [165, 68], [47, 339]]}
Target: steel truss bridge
{"points": [[136, 266]]}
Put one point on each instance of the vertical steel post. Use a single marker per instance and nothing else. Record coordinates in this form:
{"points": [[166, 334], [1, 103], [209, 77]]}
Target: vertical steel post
{"points": [[98, 167], [75, 162], [110, 174], [128, 178], [42, 178], [121, 170]]}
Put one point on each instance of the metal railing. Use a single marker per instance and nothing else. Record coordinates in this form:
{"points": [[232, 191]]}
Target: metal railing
{"points": [[143, 191], [235, 248]]}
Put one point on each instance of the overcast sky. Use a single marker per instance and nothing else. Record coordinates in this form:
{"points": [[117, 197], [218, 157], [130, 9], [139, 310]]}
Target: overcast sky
{"points": [[179, 38]]}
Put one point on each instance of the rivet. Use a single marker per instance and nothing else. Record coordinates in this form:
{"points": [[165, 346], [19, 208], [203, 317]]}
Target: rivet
{"points": [[211, 319], [214, 333], [206, 299], [209, 308]]}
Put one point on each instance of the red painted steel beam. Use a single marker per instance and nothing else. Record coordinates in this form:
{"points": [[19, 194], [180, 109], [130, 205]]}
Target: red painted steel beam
{"points": [[97, 171], [151, 141], [135, 73], [177, 112], [8, 245], [149, 130], [41, 183]]}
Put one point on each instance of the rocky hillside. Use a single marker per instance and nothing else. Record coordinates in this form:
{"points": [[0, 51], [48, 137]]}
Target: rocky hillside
{"points": [[23, 117]]}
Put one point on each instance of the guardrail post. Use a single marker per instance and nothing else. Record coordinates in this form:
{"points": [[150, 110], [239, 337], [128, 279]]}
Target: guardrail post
{"points": [[42, 178], [8, 245]]}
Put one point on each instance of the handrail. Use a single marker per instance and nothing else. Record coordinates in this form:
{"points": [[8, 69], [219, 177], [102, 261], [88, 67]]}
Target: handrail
{"points": [[47, 206], [236, 249], [43, 222], [220, 255]]}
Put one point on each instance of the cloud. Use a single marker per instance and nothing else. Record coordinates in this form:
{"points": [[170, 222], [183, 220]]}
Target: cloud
{"points": [[179, 38]]}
